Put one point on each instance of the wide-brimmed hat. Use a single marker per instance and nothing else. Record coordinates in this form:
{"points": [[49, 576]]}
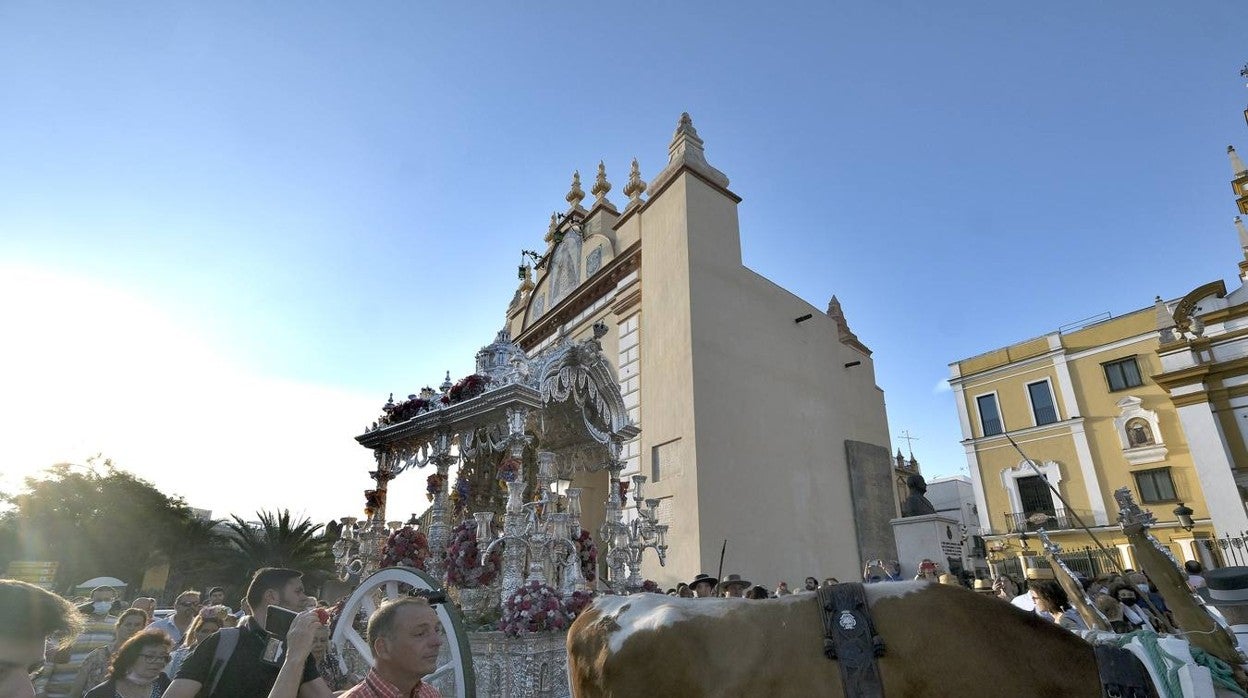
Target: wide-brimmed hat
{"points": [[734, 580], [703, 578], [1227, 586]]}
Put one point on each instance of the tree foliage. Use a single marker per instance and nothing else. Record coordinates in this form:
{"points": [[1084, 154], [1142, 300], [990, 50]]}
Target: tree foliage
{"points": [[96, 520], [278, 540]]}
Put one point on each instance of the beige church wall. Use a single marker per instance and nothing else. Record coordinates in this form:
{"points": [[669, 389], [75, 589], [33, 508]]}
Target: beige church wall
{"points": [[774, 406], [667, 399]]}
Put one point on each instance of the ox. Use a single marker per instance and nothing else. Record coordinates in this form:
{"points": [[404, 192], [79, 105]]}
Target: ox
{"points": [[941, 641]]}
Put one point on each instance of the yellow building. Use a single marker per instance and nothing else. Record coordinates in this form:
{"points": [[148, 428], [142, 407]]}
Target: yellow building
{"points": [[1156, 401], [1084, 408]]}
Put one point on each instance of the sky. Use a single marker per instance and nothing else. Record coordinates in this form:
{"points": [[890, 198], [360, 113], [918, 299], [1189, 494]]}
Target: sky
{"points": [[228, 230]]}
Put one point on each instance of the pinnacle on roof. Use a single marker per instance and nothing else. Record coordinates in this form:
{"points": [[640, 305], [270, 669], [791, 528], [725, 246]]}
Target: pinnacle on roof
{"points": [[1164, 319], [635, 187], [575, 194], [1237, 165], [686, 151], [601, 185], [1243, 235], [554, 225]]}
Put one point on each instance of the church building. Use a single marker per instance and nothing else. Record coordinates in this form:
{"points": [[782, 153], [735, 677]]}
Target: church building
{"points": [[761, 421]]}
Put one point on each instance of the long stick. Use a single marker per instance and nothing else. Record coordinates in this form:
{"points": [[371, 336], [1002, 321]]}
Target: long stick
{"points": [[1069, 510], [720, 573]]}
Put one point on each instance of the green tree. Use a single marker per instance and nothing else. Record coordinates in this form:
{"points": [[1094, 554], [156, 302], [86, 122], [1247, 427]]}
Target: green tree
{"points": [[96, 520], [278, 540]]}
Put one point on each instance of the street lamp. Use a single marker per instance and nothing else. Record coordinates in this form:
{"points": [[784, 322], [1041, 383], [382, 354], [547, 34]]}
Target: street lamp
{"points": [[1184, 514]]}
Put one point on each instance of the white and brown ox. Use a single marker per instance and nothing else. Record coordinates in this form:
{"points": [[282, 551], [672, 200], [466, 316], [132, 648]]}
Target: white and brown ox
{"points": [[940, 641]]}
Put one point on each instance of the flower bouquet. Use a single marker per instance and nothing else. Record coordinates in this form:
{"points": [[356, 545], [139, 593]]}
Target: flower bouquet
{"points": [[650, 586], [433, 485], [576, 602], [587, 549], [395, 414], [533, 608], [467, 387], [405, 547], [463, 559]]}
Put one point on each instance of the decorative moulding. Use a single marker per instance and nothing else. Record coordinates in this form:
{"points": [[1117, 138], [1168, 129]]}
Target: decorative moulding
{"points": [[1139, 432]]}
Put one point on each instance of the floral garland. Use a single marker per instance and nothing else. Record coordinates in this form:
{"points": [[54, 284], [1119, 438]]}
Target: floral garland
{"points": [[466, 388], [533, 608], [576, 602], [433, 485], [463, 559], [459, 495], [405, 547], [587, 549]]}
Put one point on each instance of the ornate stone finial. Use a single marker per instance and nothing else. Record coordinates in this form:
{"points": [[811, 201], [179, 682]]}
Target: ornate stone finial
{"points": [[601, 185], [550, 231], [575, 194], [1243, 235], [686, 151], [446, 384], [1165, 321], [1130, 513], [1237, 165], [635, 187]]}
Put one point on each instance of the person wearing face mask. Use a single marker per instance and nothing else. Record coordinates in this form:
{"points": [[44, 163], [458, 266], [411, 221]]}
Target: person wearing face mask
{"points": [[137, 669], [1133, 612], [62, 665], [95, 667]]}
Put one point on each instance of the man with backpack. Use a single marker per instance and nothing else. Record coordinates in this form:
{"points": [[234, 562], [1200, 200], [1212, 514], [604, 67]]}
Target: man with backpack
{"points": [[243, 662]]}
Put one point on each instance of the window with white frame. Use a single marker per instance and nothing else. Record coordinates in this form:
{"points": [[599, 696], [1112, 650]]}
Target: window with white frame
{"points": [[1043, 407], [989, 415]]}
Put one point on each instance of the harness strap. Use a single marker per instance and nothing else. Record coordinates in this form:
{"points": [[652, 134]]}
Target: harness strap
{"points": [[1122, 673], [851, 639]]}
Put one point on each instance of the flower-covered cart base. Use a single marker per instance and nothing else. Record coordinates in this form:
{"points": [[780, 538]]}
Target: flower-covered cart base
{"points": [[534, 664]]}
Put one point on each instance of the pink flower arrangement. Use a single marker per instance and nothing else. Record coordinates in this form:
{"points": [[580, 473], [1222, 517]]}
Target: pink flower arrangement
{"points": [[588, 551], [463, 559], [576, 602], [466, 388], [405, 547], [533, 608], [433, 486], [651, 587]]}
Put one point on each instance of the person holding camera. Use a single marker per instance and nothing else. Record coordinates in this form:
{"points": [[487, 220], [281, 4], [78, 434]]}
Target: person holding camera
{"points": [[244, 662]]}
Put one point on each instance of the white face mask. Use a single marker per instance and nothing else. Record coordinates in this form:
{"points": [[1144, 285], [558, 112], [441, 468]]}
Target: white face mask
{"points": [[1142, 587], [101, 607], [139, 680]]}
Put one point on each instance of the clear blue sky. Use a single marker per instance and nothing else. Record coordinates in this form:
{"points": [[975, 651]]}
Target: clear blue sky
{"points": [[230, 229]]}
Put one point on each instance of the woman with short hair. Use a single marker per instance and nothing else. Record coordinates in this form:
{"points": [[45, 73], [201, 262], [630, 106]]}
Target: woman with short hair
{"points": [[137, 670], [94, 667]]}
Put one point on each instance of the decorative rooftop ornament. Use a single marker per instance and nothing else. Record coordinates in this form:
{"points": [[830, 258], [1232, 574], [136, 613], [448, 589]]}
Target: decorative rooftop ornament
{"points": [[576, 194], [635, 187], [1243, 234], [1130, 513], [601, 185], [446, 384], [686, 151], [554, 224], [1237, 165]]}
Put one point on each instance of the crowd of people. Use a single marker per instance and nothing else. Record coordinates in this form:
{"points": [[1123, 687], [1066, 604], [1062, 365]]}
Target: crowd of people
{"points": [[734, 586], [50, 648]]}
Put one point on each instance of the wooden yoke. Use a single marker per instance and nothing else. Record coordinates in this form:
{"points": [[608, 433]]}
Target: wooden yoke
{"points": [[1197, 626], [1091, 615]]}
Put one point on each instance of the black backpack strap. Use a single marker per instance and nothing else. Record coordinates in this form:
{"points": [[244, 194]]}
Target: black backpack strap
{"points": [[227, 640]]}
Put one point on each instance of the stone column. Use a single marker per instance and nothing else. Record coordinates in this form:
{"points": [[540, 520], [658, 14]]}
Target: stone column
{"points": [[1214, 468]]}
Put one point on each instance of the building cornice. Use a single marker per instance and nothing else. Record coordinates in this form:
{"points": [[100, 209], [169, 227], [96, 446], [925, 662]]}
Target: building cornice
{"points": [[997, 440]]}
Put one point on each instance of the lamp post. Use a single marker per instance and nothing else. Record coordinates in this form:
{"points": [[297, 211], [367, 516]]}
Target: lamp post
{"points": [[1184, 515]]}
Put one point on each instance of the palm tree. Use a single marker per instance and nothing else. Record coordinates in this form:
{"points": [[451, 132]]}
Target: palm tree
{"points": [[195, 558], [279, 541]]}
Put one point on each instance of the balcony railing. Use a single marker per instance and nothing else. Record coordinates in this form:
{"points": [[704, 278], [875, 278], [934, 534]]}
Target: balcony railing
{"points": [[1055, 520]]}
